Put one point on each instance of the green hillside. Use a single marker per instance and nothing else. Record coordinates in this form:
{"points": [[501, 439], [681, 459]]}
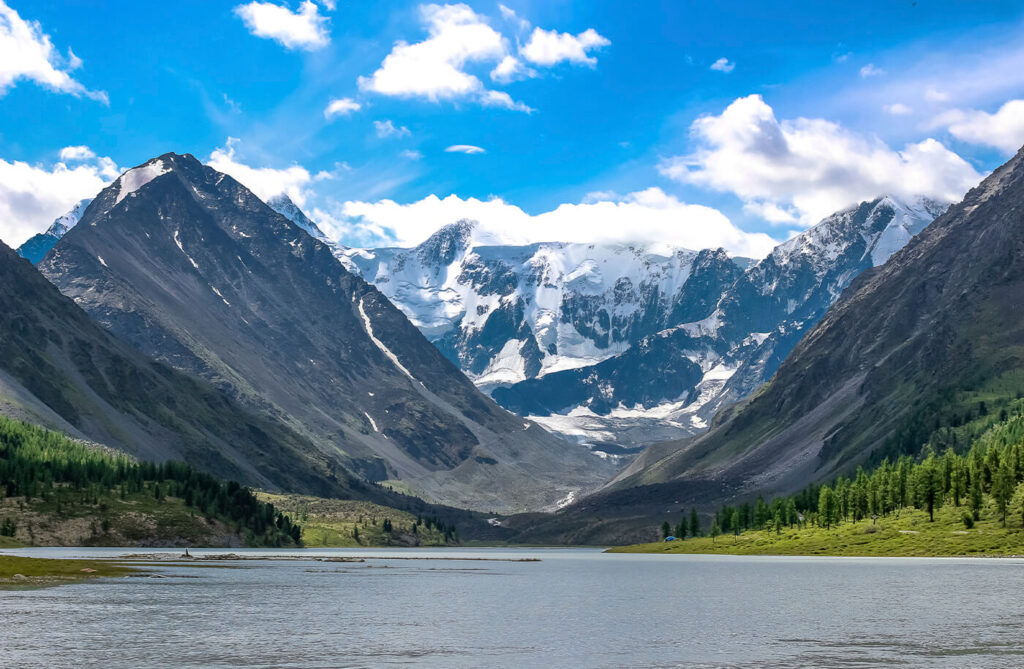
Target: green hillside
{"points": [[351, 523], [58, 492], [967, 499]]}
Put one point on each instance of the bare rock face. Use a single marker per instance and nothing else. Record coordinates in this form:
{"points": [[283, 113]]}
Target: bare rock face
{"points": [[189, 266]]}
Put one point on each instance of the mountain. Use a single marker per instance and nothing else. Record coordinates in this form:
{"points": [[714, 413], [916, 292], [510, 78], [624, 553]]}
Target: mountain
{"points": [[39, 245], [189, 266], [61, 370], [677, 379], [283, 205], [505, 314], [618, 346], [36, 248], [913, 349]]}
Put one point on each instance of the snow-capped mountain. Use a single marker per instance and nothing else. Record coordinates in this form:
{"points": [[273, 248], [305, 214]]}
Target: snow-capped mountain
{"points": [[283, 205], [621, 345], [39, 245], [673, 382], [190, 267], [506, 314]]}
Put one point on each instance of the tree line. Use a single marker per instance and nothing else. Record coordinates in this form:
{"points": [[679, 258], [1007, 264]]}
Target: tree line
{"points": [[39, 464], [991, 469]]}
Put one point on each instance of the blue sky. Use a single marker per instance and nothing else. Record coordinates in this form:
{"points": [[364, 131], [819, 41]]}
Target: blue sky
{"points": [[606, 121]]}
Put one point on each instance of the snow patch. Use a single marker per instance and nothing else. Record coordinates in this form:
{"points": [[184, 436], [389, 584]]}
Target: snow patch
{"points": [[384, 349], [136, 178], [182, 249]]}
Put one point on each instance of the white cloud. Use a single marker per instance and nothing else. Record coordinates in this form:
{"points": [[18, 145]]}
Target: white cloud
{"points": [[510, 15], [32, 196], [411, 154], [723, 65], [341, 107], [549, 47], [26, 52], [388, 129], [511, 69], [933, 94], [772, 213], [504, 100], [76, 153], [435, 68], [465, 148], [265, 182], [897, 109], [870, 70], [810, 166], [646, 217], [303, 29], [1003, 130]]}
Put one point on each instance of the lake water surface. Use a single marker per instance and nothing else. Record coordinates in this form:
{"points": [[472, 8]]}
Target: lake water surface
{"points": [[574, 608]]}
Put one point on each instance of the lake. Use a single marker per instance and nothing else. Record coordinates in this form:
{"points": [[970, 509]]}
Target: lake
{"points": [[574, 608]]}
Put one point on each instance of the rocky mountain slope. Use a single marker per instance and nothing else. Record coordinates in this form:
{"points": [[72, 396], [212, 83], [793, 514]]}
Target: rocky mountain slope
{"points": [[192, 268], [60, 370], [885, 372], [619, 346]]}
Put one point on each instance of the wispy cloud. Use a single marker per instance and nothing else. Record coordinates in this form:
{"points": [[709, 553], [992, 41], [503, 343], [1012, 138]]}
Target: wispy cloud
{"points": [[465, 148], [26, 53], [341, 107], [387, 128]]}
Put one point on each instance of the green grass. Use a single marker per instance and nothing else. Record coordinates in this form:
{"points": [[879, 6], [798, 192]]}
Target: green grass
{"points": [[332, 522], [22, 571], [908, 535]]}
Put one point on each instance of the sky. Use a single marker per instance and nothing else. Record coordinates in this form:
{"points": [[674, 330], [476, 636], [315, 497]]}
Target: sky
{"points": [[696, 124]]}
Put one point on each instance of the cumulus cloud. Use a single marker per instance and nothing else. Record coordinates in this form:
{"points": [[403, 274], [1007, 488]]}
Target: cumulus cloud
{"points": [[265, 182], [26, 52], [303, 29], [870, 70], [388, 129], [723, 65], [1003, 130], [76, 153], [932, 94], [32, 196], [511, 69], [549, 47], [897, 109], [465, 148], [341, 107], [435, 68], [810, 167], [646, 217]]}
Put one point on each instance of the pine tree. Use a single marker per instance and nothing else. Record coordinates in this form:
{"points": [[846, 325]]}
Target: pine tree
{"points": [[694, 523], [826, 507], [666, 530]]}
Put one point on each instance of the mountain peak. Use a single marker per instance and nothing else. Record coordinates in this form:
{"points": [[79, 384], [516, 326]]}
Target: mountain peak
{"points": [[283, 205], [442, 247]]}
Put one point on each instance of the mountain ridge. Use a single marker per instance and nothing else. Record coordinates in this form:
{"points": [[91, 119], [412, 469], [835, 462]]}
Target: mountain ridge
{"points": [[192, 268]]}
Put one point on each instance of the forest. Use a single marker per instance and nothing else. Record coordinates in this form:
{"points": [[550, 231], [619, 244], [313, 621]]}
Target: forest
{"points": [[987, 477], [46, 474]]}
